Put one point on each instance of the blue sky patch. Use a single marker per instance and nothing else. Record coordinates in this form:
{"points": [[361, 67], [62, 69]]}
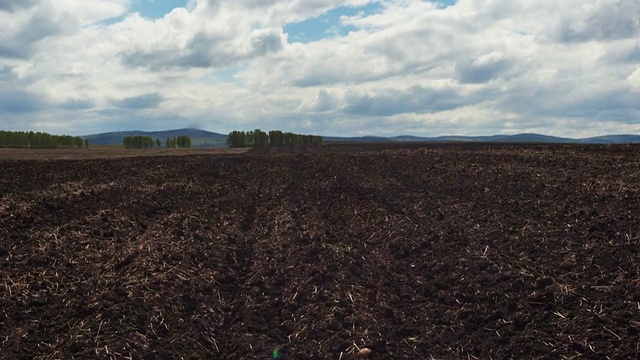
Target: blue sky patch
{"points": [[327, 24], [156, 9], [445, 3], [227, 75]]}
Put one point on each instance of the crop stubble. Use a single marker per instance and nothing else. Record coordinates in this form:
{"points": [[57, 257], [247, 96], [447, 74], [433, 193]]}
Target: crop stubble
{"points": [[414, 251]]}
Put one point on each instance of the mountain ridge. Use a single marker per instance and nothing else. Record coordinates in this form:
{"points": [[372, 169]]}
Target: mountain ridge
{"points": [[204, 138], [199, 138], [516, 138]]}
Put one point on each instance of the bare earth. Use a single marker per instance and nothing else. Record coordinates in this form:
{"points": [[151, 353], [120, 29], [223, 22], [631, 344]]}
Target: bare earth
{"points": [[414, 251], [106, 152]]}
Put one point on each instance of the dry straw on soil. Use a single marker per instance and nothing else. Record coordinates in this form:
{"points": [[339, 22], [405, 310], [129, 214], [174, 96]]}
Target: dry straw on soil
{"points": [[409, 251]]}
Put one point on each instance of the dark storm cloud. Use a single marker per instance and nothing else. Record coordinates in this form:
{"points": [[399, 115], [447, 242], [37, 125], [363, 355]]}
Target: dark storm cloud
{"points": [[629, 54], [206, 50], [39, 27], [213, 5], [267, 41], [13, 5], [616, 100], [391, 102], [198, 53], [202, 51], [318, 78], [14, 51], [588, 103], [253, 3], [19, 101], [155, 60], [620, 20], [475, 72], [324, 102], [147, 101], [78, 104], [6, 73], [140, 58]]}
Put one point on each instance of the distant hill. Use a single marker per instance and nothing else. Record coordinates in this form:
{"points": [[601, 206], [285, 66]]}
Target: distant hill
{"points": [[199, 138], [612, 139], [202, 138], [518, 138], [357, 139]]}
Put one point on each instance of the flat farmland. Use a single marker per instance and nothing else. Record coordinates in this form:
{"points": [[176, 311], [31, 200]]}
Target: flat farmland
{"points": [[414, 251], [106, 152]]}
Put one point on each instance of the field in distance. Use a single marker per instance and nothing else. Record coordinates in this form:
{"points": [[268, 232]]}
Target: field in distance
{"points": [[116, 151], [107, 152]]}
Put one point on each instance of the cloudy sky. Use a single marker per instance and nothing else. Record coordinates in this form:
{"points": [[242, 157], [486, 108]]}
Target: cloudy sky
{"points": [[329, 67]]}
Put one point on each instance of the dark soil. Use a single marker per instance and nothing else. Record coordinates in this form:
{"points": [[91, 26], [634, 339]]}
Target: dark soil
{"points": [[493, 251]]}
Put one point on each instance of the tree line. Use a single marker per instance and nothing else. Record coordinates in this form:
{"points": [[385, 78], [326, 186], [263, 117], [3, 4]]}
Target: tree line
{"points": [[147, 142], [257, 138], [181, 141], [40, 140]]}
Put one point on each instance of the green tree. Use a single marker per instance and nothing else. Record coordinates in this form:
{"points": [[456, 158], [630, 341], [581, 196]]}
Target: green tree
{"points": [[250, 139], [183, 141], [21, 139], [258, 137], [276, 138], [171, 142], [237, 139], [138, 142]]}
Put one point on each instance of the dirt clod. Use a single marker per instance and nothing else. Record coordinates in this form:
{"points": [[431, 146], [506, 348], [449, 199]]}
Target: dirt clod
{"points": [[364, 353]]}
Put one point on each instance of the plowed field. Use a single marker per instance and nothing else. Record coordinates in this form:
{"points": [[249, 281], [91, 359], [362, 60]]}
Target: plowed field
{"points": [[428, 251]]}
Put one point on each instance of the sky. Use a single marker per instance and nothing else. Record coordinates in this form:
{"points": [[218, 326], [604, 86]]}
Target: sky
{"points": [[327, 67]]}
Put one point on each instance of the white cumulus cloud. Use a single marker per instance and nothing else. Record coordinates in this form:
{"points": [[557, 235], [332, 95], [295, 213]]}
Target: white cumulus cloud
{"points": [[568, 68]]}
